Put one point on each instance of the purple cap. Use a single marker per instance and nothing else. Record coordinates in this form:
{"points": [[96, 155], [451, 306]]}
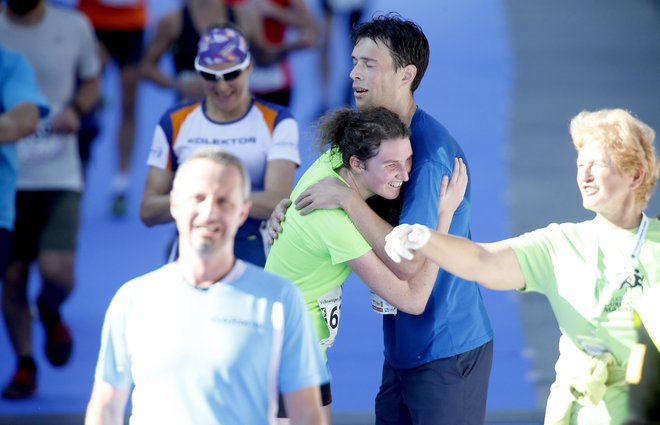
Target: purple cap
{"points": [[221, 45]]}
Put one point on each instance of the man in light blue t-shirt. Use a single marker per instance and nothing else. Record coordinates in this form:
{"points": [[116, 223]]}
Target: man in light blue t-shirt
{"points": [[209, 338], [21, 106]]}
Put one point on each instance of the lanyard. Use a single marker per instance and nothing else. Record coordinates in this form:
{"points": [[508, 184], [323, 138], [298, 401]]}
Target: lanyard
{"points": [[628, 276], [641, 235], [630, 268]]}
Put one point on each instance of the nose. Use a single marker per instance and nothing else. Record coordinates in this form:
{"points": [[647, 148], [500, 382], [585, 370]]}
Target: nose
{"points": [[403, 172], [206, 208], [584, 173], [354, 72], [221, 84]]}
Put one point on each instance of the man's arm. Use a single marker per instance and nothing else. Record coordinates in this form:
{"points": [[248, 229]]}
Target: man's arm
{"points": [[107, 405], [18, 122], [155, 205], [304, 406], [68, 119]]}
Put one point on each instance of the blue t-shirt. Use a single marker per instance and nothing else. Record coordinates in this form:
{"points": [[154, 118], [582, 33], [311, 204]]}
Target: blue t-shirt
{"points": [[218, 355], [17, 85], [455, 319]]}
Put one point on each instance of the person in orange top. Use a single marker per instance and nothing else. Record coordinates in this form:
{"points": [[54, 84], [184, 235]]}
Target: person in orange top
{"points": [[266, 23], [119, 26]]}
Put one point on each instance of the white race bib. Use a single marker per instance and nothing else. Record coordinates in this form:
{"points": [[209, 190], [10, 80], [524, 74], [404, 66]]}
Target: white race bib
{"points": [[330, 304], [380, 306]]}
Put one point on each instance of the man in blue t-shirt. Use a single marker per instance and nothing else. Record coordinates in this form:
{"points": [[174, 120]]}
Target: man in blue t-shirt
{"points": [[437, 365], [208, 338], [21, 106]]}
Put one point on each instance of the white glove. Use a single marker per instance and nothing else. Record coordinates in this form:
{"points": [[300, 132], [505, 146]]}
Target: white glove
{"points": [[418, 237], [400, 242], [395, 243]]}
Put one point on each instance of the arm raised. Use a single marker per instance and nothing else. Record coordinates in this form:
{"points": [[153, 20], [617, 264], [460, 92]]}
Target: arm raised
{"points": [[494, 265]]}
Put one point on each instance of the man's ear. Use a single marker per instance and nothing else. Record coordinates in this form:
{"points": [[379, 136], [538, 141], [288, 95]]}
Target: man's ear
{"points": [[173, 204], [409, 74], [245, 213]]}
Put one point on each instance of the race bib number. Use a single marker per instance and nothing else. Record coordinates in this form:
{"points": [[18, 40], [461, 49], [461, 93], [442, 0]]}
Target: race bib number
{"points": [[330, 305]]}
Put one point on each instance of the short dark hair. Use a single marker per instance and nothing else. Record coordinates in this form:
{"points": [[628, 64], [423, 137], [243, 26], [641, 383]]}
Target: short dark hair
{"points": [[351, 132], [404, 38]]}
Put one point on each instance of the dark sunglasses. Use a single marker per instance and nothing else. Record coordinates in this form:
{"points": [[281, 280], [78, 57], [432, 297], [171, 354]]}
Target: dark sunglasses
{"points": [[228, 74]]}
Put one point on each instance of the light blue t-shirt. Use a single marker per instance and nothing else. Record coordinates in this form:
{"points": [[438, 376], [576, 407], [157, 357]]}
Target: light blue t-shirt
{"points": [[208, 356], [17, 85]]}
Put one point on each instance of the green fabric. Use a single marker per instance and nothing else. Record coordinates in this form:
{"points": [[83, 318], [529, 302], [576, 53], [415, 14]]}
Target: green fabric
{"points": [[313, 250], [571, 264]]}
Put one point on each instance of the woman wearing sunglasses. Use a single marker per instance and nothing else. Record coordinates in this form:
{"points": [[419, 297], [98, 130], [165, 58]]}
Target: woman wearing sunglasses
{"points": [[263, 135]]}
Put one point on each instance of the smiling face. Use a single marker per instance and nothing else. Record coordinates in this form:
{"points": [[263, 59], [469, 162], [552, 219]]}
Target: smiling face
{"points": [[227, 100], [604, 190], [375, 81], [384, 173], [208, 206]]}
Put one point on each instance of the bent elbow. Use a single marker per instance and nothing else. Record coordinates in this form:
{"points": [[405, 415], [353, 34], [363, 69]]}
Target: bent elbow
{"points": [[404, 275], [414, 308]]}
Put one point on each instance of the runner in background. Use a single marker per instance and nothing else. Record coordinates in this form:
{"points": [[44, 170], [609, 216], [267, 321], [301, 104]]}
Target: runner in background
{"points": [[177, 33], [264, 135], [335, 11], [119, 26], [266, 24]]}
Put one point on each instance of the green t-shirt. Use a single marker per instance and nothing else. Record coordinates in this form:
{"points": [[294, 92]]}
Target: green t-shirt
{"points": [[578, 269], [313, 250], [572, 264]]}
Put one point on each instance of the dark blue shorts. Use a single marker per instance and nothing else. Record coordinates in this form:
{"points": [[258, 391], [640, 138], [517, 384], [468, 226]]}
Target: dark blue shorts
{"points": [[125, 47], [445, 391]]}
